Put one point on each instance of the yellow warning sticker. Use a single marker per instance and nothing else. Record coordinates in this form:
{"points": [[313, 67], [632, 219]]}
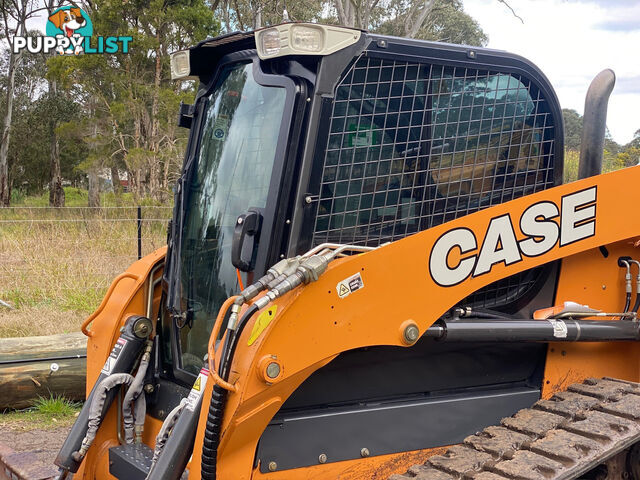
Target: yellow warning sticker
{"points": [[197, 390], [263, 321], [349, 285]]}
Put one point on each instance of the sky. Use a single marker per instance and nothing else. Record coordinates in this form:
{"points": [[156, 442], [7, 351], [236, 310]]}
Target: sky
{"points": [[571, 41]]}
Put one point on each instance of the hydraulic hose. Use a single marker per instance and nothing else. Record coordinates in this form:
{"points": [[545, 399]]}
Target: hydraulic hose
{"points": [[133, 395], [222, 313], [636, 304], [627, 301], [165, 429], [95, 413], [213, 427], [482, 313]]}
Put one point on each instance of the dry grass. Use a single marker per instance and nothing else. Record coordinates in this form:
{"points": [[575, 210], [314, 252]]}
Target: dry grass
{"points": [[56, 264], [39, 320]]}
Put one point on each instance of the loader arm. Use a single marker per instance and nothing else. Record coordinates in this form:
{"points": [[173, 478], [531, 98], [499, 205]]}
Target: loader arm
{"points": [[413, 280]]}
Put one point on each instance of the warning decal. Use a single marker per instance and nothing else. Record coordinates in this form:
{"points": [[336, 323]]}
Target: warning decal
{"points": [[109, 365], [197, 390], [349, 285]]}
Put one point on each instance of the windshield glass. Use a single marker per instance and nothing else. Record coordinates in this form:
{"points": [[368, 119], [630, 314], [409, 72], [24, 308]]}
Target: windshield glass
{"points": [[233, 172]]}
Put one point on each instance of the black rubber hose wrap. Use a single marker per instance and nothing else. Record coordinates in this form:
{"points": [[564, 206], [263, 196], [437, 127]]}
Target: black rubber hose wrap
{"points": [[213, 428]]}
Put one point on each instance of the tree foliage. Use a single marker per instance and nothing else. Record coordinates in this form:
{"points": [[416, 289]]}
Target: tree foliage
{"points": [[77, 117], [615, 156]]}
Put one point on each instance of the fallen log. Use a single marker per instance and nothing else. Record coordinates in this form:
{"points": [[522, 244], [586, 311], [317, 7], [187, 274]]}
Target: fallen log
{"points": [[32, 367]]}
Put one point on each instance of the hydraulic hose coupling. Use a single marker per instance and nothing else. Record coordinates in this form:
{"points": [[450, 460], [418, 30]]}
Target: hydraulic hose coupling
{"points": [[233, 318], [285, 265], [308, 270], [637, 264], [627, 276], [274, 276]]}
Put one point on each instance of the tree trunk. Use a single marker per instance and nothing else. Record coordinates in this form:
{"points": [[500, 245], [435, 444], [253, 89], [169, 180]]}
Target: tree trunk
{"points": [[418, 17], [94, 189], [257, 23], [155, 121], [5, 192], [115, 180], [56, 192]]}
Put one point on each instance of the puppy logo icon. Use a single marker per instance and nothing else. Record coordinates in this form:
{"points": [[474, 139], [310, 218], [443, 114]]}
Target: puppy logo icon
{"points": [[71, 23], [70, 32]]}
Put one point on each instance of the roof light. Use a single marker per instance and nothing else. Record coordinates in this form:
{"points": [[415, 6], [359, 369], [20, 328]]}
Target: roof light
{"points": [[303, 39], [270, 42], [180, 65]]}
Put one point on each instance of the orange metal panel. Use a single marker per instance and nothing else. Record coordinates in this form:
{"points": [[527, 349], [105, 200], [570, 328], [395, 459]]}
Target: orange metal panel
{"points": [[313, 324], [127, 298], [590, 278]]}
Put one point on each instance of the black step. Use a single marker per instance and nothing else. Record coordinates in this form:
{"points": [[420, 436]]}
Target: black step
{"points": [[130, 462]]}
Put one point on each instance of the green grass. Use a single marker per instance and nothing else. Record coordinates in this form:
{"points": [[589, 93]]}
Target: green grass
{"points": [[47, 413], [57, 406], [78, 197]]}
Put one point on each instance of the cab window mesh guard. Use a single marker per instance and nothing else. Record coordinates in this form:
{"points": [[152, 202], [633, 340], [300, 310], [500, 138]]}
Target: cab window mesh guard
{"points": [[414, 145]]}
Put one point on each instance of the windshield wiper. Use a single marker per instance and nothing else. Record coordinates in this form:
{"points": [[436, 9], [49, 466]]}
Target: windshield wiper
{"points": [[175, 246]]}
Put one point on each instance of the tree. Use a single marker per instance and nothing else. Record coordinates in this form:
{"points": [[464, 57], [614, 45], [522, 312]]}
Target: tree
{"points": [[572, 129], [252, 14], [129, 98], [56, 192], [14, 16], [446, 21]]}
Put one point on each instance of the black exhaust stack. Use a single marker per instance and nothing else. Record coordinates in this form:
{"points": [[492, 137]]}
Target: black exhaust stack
{"points": [[595, 124]]}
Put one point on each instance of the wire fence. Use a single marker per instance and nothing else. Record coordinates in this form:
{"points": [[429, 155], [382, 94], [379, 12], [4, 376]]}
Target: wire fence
{"points": [[65, 258]]}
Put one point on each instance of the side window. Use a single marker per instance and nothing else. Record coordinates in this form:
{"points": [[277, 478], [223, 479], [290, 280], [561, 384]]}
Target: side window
{"points": [[413, 145]]}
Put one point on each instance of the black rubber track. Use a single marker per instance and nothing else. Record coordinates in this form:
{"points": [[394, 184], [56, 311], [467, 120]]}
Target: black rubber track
{"points": [[556, 439]]}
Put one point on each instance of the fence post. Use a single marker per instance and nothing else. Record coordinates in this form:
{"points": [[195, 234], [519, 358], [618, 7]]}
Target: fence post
{"points": [[139, 219]]}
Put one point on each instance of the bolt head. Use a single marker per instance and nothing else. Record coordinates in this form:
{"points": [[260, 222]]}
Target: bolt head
{"points": [[308, 199], [273, 466], [273, 370], [54, 367], [149, 388], [322, 458], [142, 328], [411, 333], [364, 452], [240, 221]]}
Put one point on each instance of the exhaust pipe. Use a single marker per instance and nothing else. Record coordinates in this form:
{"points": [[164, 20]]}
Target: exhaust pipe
{"points": [[595, 124]]}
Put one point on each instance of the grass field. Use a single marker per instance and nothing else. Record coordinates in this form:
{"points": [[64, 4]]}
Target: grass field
{"points": [[56, 264]]}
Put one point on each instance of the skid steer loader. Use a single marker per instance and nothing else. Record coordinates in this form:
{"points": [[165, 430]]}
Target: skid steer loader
{"points": [[373, 271]]}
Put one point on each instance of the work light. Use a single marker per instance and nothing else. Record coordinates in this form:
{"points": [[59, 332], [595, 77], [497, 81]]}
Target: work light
{"points": [[303, 39]]}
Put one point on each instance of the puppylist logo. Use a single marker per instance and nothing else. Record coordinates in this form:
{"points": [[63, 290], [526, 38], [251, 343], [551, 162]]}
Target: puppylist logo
{"points": [[69, 31]]}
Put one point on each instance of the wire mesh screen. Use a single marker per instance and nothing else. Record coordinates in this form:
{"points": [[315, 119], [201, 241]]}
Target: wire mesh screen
{"points": [[414, 145]]}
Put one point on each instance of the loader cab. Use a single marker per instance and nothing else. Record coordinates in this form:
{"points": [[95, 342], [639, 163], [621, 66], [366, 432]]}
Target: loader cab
{"points": [[304, 134]]}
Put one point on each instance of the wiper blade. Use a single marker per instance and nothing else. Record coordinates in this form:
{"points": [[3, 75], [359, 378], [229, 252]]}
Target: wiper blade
{"points": [[173, 275]]}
